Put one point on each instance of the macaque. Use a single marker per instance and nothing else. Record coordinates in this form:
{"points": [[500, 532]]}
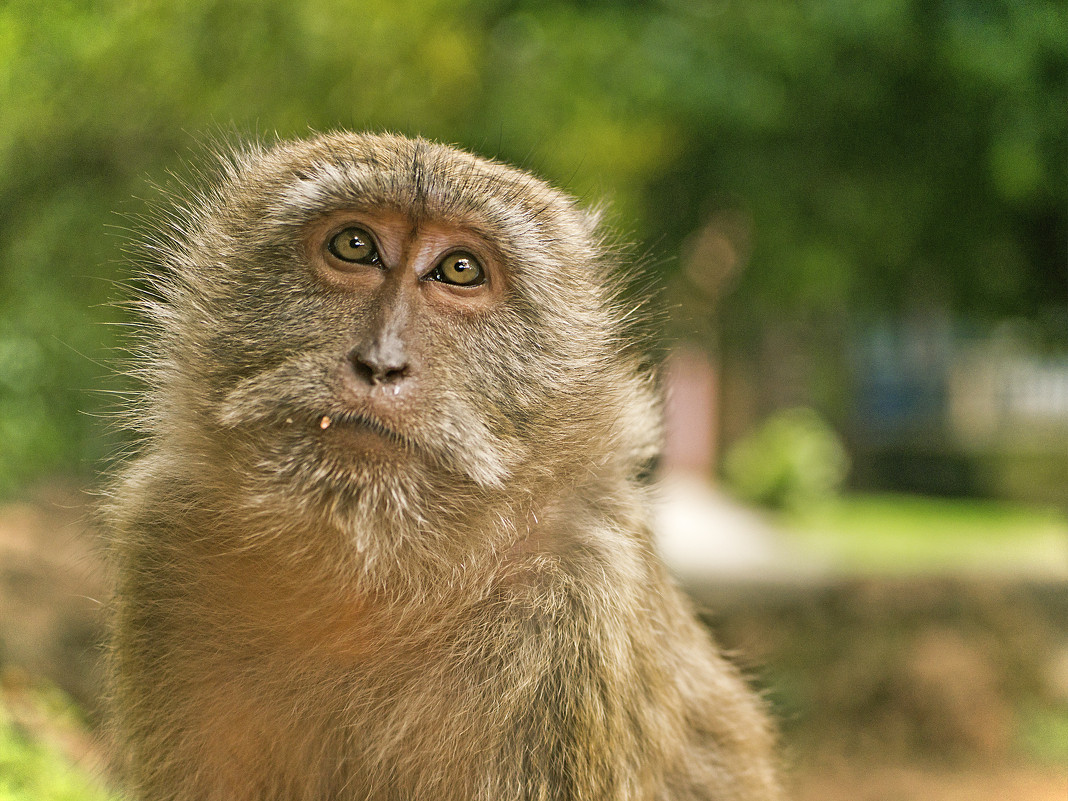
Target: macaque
{"points": [[386, 532]]}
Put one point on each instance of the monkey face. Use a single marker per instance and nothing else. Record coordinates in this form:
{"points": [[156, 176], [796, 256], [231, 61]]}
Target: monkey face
{"points": [[418, 290], [399, 320], [383, 315]]}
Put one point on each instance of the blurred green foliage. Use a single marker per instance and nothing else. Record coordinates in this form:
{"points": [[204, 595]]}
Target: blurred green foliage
{"points": [[30, 771], [883, 150], [32, 766], [794, 461]]}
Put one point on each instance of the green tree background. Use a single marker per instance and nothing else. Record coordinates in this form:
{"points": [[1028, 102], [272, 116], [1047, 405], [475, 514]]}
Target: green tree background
{"points": [[884, 154]]}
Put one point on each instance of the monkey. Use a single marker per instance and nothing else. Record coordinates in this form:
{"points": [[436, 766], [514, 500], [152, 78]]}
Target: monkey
{"points": [[385, 530]]}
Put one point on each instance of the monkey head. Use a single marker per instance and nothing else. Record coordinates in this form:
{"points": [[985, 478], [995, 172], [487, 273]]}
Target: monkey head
{"points": [[374, 320]]}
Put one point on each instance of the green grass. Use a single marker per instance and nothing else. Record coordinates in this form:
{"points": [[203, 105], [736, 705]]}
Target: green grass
{"points": [[901, 533]]}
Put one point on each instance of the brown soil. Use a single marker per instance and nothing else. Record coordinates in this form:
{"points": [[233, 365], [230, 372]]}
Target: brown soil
{"points": [[52, 591], [851, 781]]}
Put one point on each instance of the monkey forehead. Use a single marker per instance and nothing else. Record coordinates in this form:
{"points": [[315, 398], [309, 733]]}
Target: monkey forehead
{"points": [[424, 180]]}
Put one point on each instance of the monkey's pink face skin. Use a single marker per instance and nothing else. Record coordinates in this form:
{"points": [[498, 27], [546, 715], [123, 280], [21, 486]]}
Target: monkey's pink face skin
{"points": [[415, 290], [435, 267]]}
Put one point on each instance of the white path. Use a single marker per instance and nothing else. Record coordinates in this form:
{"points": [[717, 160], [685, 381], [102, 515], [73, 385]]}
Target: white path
{"points": [[702, 534]]}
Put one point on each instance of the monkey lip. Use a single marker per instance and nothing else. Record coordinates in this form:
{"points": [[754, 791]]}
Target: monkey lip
{"points": [[358, 432]]}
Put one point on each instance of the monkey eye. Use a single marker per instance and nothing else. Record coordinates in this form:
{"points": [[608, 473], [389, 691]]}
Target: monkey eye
{"points": [[459, 269], [355, 245]]}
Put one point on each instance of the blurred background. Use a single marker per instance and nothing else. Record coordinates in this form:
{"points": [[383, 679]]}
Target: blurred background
{"points": [[858, 215]]}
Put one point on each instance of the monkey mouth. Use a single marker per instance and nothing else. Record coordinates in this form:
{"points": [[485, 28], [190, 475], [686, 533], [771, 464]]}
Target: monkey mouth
{"points": [[358, 421], [353, 432]]}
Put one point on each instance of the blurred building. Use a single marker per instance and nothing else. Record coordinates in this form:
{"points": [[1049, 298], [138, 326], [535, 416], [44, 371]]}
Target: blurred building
{"points": [[943, 412]]}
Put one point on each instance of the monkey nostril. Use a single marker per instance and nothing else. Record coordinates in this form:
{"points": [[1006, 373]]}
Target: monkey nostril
{"points": [[391, 375], [377, 365]]}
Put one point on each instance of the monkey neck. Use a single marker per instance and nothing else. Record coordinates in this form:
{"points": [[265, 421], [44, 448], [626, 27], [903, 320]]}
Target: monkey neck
{"points": [[399, 543], [401, 546]]}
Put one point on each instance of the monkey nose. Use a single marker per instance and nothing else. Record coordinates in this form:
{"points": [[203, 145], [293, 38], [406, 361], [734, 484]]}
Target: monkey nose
{"points": [[380, 363]]}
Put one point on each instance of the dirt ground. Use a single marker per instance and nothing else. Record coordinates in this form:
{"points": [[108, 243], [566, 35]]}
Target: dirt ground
{"points": [[52, 623], [867, 782]]}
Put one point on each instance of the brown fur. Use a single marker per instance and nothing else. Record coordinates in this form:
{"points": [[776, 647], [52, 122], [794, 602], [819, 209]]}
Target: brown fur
{"points": [[332, 589]]}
